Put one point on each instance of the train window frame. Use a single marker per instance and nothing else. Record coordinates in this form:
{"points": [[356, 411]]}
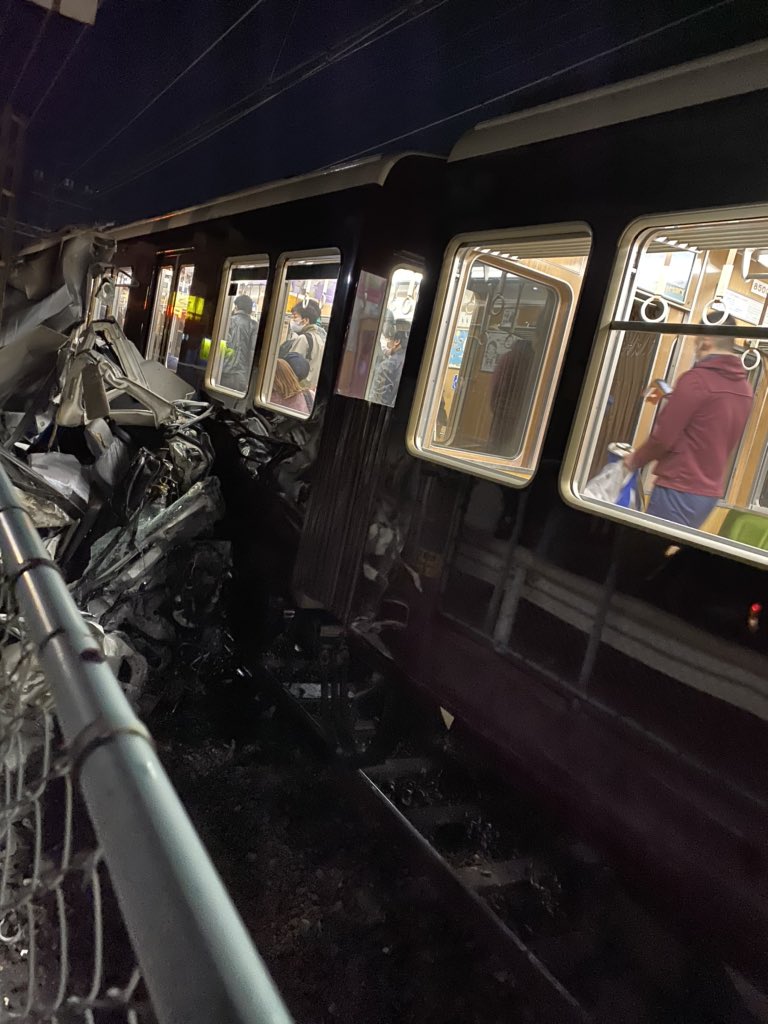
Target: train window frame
{"points": [[580, 445], [212, 363], [270, 345], [520, 470]]}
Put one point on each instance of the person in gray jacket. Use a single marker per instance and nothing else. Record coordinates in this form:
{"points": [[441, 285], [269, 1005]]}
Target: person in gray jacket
{"points": [[241, 338]]}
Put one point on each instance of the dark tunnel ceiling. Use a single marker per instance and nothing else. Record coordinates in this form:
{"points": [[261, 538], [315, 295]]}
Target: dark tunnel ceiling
{"points": [[132, 116]]}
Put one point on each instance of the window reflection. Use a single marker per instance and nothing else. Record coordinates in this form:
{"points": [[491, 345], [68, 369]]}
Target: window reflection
{"points": [[680, 408], [362, 337]]}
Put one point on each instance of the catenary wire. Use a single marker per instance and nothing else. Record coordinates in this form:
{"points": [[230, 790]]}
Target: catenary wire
{"points": [[185, 71], [296, 6], [32, 51], [62, 67], [538, 81], [317, 67]]}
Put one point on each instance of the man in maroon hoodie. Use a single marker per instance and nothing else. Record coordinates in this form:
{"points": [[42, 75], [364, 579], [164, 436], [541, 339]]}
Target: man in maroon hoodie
{"points": [[696, 432]]}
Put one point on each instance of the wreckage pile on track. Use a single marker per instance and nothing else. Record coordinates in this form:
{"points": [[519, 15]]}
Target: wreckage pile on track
{"points": [[109, 454]]}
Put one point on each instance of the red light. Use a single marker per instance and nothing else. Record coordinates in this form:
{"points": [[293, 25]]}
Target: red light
{"points": [[755, 609]]}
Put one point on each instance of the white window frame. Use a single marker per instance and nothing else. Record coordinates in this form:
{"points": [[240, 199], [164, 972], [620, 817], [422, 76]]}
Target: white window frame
{"points": [[272, 327], [445, 313], [259, 259], [578, 452]]}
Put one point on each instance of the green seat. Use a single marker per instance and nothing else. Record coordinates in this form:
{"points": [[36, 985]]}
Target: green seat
{"points": [[746, 528]]}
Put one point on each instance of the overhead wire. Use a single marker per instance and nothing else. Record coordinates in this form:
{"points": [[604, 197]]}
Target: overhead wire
{"points": [[269, 92], [485, 53], [62, 67], [32, 51], [185, 71], [543, 79], [296, 6]]}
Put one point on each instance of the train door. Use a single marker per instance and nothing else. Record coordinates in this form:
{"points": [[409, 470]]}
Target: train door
{"points": [[173, 286]]}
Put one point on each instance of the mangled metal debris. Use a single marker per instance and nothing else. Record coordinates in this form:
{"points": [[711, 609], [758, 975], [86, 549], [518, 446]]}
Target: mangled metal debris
{"points": [[109, 454]]}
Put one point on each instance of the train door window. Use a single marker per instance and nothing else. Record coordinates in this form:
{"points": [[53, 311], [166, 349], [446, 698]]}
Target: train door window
{"points": [[672, 429], [241, 301], [305, 289], [173, 290], [362, 336], [379, 329], [115, 302], [505, 307], [394, 332]]}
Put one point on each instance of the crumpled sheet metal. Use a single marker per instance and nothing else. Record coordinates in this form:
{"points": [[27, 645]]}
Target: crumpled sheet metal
{"points": [[46, 515], [50, 286], [133, 555]]}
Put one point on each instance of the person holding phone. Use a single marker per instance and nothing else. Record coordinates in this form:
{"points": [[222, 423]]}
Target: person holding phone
{"points": [[696, 432]]}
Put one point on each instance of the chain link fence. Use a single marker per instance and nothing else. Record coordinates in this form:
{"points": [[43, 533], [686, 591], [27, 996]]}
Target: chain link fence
{"points": [[109, 907]]}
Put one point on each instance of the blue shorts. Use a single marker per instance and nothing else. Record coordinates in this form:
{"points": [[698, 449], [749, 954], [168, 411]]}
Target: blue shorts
{"points": [[680, 506]]}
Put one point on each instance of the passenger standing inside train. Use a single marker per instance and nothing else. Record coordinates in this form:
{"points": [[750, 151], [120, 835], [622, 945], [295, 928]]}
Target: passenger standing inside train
{"points": [[306, 336], [386, 378], [241, 338], [288, 390], [696, 433], [509, 397]]}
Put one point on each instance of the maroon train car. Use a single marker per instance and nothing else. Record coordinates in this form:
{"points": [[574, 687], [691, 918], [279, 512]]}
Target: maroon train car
{"points": [[488, 334]]}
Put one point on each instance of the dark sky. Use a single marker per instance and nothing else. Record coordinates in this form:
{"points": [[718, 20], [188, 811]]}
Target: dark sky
{"points": [[141, 119]]}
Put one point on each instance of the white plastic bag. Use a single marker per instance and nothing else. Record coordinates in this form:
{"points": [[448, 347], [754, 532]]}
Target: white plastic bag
{"points": [[608, 484]]}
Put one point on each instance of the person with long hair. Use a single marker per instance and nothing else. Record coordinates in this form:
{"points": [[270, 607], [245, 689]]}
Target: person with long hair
{"points": [[289, 388]]}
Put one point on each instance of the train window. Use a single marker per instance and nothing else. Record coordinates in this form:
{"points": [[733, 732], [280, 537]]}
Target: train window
{"points": [[114, 302], [497, 340], [305, 289], [672, 429], [379, 329], [241, 300]]}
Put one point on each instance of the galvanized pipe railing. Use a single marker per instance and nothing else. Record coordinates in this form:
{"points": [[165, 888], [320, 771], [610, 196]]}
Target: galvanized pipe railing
{"points": [[195, 955]]}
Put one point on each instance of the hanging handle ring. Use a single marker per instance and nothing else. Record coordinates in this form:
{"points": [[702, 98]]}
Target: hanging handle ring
{"points": [[648, 304]]}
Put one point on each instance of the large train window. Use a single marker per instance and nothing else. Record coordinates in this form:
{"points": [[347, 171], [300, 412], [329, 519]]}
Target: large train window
{"points": [[672, 428], [305, 290], [497, 340], [241, 300], [379, 329]]}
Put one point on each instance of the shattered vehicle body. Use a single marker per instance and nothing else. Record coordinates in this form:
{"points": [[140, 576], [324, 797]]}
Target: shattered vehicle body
{"points": [[109, 454]]}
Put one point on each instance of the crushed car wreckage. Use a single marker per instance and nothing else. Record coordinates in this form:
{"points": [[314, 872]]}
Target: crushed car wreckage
{"points": [[109, 454], [112, 455]]}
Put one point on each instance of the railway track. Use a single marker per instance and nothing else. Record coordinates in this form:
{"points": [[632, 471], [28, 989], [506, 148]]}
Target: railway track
{"points": [[573, 938], [559, 916]]}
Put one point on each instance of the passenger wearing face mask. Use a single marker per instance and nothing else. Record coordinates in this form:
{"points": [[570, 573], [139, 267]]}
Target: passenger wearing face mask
{"points": [[696, 432], [386, 379], [306, 336]]}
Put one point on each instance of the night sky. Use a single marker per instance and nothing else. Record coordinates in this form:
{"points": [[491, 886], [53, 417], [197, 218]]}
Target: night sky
{"points": [[132, 116]]}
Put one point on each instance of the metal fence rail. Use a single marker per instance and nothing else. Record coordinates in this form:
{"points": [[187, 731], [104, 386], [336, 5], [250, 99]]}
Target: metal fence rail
{"points": [[95, 847]]}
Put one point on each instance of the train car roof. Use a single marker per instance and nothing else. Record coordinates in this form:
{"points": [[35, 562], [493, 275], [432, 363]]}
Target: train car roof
{"points": [[372, 170], [730, 73]]}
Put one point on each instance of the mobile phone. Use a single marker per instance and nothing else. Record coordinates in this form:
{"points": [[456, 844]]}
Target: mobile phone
{"points": [[663, 386]]}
